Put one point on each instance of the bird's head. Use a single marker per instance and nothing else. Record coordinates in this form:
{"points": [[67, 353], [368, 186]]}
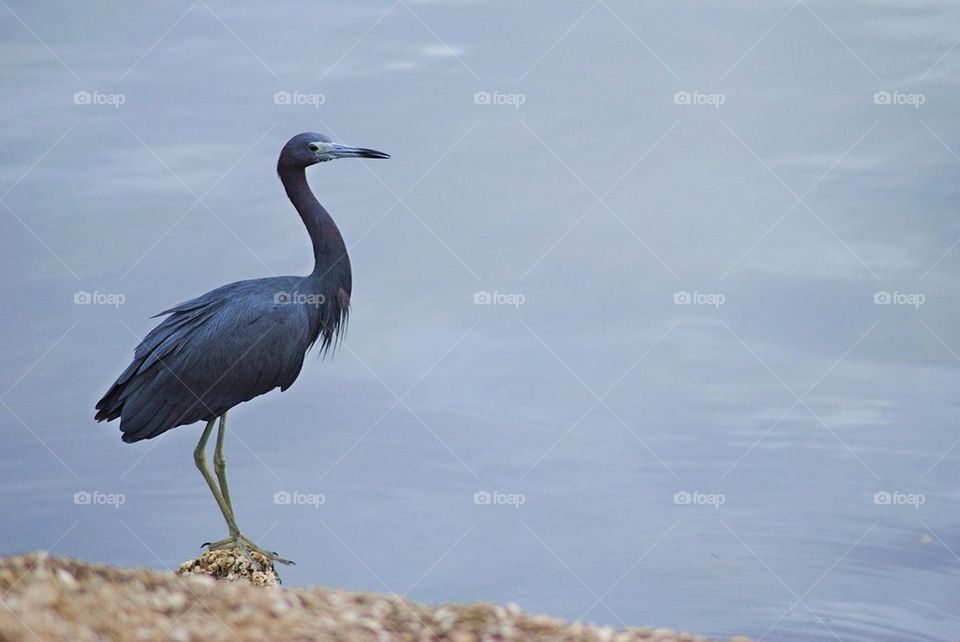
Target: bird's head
{"points": [[310, 148]]}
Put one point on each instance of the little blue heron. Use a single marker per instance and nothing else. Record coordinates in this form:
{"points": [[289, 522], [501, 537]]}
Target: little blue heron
{"points": [[240, 340]]}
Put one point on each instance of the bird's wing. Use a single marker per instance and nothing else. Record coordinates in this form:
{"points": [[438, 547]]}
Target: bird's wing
{"points": [[208, 355]]}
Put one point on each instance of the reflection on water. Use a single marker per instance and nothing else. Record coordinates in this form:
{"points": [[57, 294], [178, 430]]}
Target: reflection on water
{"points": [[648, 268]]}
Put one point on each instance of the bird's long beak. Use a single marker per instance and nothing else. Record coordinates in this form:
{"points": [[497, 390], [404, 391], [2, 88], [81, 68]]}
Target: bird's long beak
{"points": [[336, 150]]}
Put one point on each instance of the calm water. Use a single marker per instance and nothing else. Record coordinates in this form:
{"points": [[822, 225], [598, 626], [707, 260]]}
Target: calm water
{"points": [[775, 457]]}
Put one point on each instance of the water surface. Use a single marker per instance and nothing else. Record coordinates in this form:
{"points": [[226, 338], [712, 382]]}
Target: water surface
{"points": [[776, 457]]}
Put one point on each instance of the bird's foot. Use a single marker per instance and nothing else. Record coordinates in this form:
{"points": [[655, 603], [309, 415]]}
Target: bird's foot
{"points": [[246, 547]]}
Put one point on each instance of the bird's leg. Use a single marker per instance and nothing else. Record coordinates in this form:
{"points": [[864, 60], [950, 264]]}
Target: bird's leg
{"points": [[200, 459], [220, 465], [236, 539]]}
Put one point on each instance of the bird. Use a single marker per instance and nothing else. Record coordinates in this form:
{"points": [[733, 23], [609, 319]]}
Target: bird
{"points": [[241, 340]]}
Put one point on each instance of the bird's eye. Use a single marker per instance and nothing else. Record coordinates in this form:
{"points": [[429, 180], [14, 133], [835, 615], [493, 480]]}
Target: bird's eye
{"points": [[313, 147]]}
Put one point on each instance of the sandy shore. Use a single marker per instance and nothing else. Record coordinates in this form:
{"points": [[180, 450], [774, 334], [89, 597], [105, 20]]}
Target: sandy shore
{"points": [[54, 598]]}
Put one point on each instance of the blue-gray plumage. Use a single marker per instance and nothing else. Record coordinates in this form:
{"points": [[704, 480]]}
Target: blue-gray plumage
{"points": [[243, 339]]}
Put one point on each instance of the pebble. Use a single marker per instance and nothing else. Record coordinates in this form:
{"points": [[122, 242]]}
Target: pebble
{"points": [[66, 579]]}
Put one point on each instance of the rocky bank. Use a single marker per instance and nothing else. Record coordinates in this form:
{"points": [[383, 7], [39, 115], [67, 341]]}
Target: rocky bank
{"points": [[219, 596]]}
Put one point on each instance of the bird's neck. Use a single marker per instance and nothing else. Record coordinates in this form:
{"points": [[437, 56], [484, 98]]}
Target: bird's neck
{"points": [[328, 246]]}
